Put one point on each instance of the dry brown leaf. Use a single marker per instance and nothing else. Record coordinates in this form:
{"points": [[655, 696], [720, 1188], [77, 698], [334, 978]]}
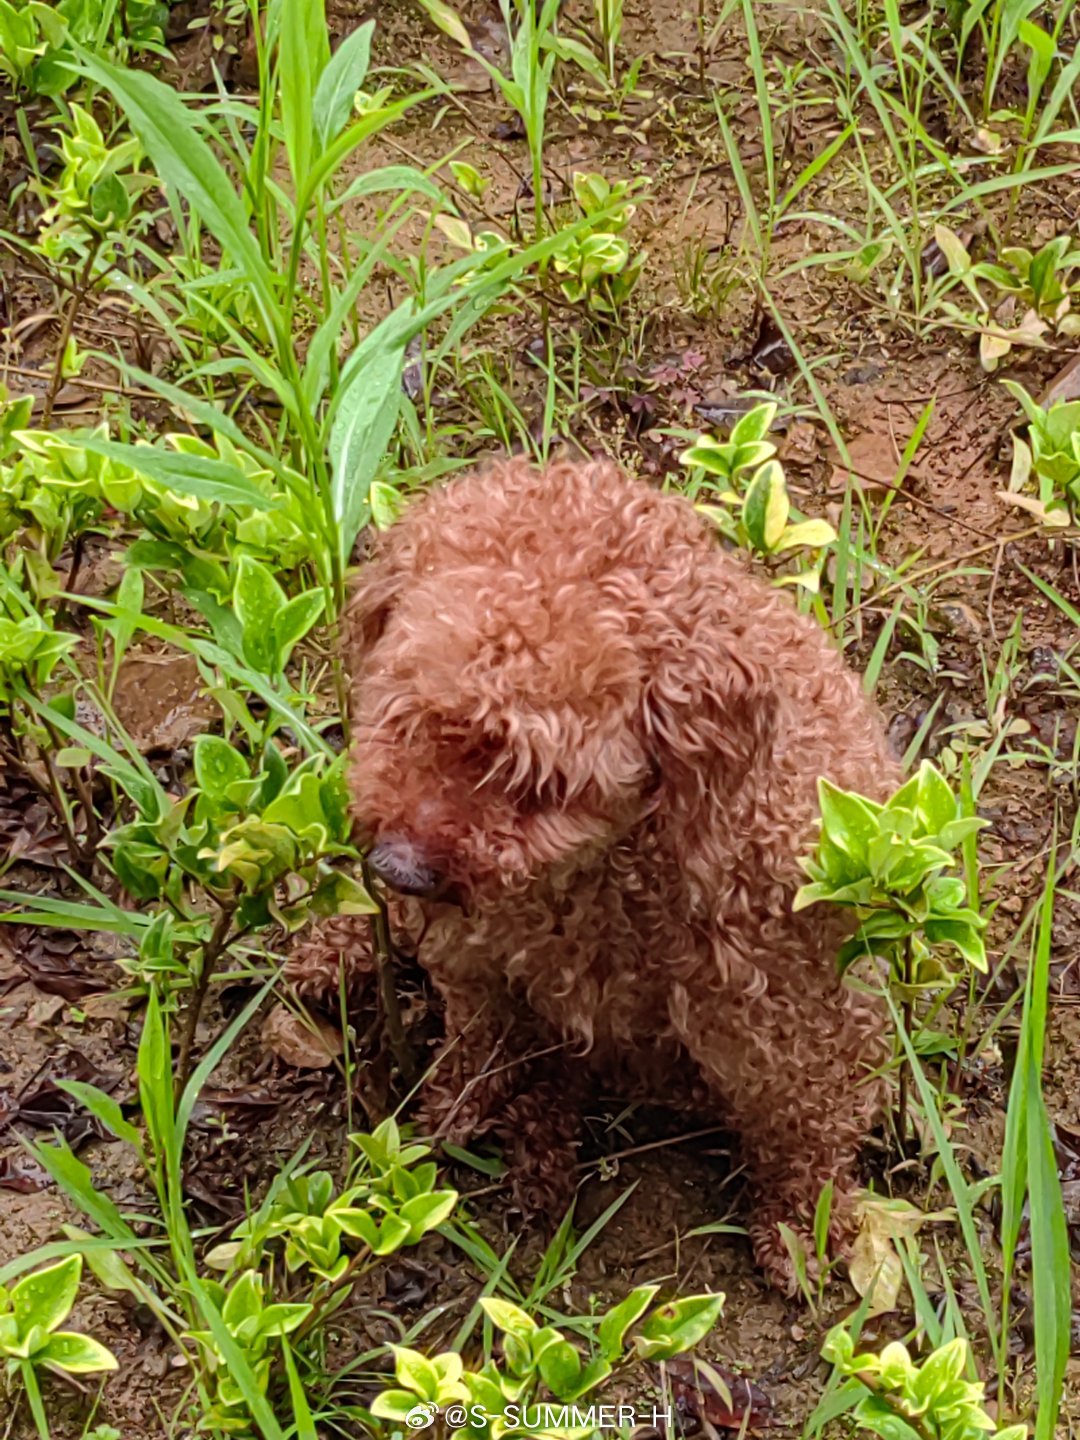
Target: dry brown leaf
{"points": [[306, 1044], [874, 463], [875, 1269]]}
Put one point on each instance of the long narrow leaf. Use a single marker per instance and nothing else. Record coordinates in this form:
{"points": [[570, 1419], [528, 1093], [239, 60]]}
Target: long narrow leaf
{"points": [[197, 475], [340, 81], [363, 426], [303, 53], [184, 161]]}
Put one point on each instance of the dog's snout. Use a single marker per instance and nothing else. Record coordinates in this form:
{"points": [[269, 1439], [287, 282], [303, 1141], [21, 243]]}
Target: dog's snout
{"points": [[398, 863]]}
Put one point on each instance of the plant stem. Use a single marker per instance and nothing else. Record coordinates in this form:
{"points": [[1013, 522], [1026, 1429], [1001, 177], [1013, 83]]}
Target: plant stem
{"points": [[219, 938], [74, 305], [384, 967], [93, 830], [906, 1014], [347, 1277], [53, 794]]}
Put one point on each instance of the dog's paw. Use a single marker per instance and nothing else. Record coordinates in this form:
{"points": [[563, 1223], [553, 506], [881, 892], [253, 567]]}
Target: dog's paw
{"points": [[774, 1257]]}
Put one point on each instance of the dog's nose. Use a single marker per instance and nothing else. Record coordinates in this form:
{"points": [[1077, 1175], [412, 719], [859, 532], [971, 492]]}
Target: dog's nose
{"points": [[398, 863]]}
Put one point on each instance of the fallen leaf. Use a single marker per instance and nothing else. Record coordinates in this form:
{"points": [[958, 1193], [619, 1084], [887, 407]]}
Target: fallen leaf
{"points": [[874, 463], [801, 446], [310, 1044], [711, 1394], [988, 142], [875, 1269], [1064, 386], [44, 1011], [23, 1175], [771, 350], [70, 985]]}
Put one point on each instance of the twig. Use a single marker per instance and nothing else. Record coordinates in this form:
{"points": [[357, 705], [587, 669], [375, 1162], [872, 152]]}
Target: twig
{"points": [[384, 966], [214, 946], [78, 296], [51, 792]]}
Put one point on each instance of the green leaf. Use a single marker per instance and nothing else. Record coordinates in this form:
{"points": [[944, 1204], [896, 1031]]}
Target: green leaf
{"points": [[303, 53], [877, 1416], [45, 1297], [811, 533], [369, 401], [77, 1354], [448, 21], [293, 622], [964, 938], [282, 1319], [415, 1372], [185, 163], [394, 1405], [393, 1233], [387, 177], [74, 1179], [258, 600], [109, 203], [946, 1365], [339, 82], [198, 475], [428, 1212], [508, 1317], [244, 1300], [849, 821], [953, 248], [616, 1322], [104, 1108], [766, 507], [755, 424], [560, 1368], [937, 804], [217, 765], [678, 1326]]}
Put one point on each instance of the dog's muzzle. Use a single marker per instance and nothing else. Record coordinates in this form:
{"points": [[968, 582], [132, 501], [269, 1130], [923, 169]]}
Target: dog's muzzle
{"points": [[396, 863]]}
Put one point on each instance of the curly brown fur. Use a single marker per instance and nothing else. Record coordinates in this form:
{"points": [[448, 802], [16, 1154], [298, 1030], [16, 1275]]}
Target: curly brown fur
{"points": [[591, 740]]}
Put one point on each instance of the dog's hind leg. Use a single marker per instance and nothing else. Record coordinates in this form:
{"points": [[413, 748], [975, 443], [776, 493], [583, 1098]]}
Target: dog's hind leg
{"points": [[789, 1065]]}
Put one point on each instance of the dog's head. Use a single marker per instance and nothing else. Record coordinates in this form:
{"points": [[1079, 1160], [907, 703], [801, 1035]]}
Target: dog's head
{"points": [[516, 688]]}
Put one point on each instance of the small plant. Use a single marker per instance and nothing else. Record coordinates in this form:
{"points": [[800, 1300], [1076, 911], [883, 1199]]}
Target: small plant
{"points": [[1037, 285], [535, 45], [812, 1271], [754, 510], [887, 863], [596, 265], [87, 208], [609, 21], [537, 1360], [1052, 452], [31, 1314], [36, 39], [901, 1399]]}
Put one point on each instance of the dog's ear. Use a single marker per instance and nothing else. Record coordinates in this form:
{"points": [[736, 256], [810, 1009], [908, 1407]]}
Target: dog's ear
{"points": [[710, 712]]}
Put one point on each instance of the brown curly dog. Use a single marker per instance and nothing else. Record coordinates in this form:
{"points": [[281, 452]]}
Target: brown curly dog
{"points": [[589, 741]]}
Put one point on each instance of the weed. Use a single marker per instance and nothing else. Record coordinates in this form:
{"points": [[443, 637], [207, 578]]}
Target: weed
{"points": [[31, 1313], [887, 863]]}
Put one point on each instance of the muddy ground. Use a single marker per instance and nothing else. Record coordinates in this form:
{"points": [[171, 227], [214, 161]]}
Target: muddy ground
{"points": [[689, 348]]}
